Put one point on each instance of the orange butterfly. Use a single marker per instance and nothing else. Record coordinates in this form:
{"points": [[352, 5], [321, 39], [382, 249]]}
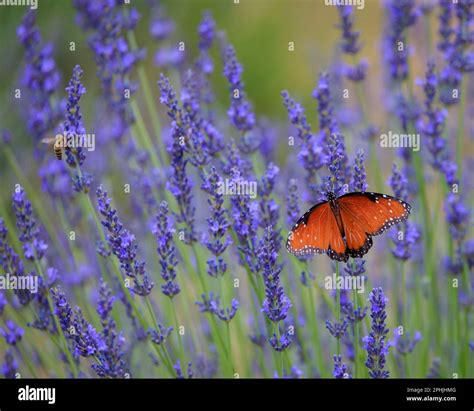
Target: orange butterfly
{"points": [[343, 227]]}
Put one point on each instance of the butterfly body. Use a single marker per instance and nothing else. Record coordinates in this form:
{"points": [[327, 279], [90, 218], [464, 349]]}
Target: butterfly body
{"points": [[342, 227]]}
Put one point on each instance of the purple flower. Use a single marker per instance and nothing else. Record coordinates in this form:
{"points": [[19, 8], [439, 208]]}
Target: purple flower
{"points": [[311, 153], [212, 305], [375, 343], [445, 31], [282, 343], [457, 216], [240, 112], [10, 366], [12, 264], [123, 246], [40, 78], [337, 166], [359, 177], [34, 246], [206, 31], [433, 125], [327, 122], [110, 352], [401, 15], [276, 304], [170, 56], [268, 207], [179, 371], [217, 223], [166, 251], [159, 336], [350, 37], [73, 125], [161, 27], [340, 368], [12, 333], [179, 183], [404, 343], [337, 330], [108, 21], [244, 214], [357, 72], [85, 338], [292, 207]]}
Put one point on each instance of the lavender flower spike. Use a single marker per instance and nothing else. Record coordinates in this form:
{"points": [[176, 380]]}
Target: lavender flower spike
{"points": [[375, 343], [123, 246], [166, 251]]}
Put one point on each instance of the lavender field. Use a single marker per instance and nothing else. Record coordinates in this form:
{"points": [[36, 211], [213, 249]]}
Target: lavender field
{"points": [[155, 155]]}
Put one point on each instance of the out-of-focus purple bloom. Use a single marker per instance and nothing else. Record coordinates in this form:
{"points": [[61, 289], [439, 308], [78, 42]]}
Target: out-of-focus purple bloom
{"points": [[404, 343], [276, 304], [170, 56], [206, 31], [240, 112], [166, 251], [350, 38], [306, 278], [179, 371], [217, 223], [123, 246], [357, 72], [468, 252], [55, 179], [433, 126], [12, 264], [34, 246], [457, 216], [445, 30], [292, 207], [359, 177], [375, 343], [327, 122], [161, 27], [212, 305], [311, 153], [108, 21], [159, 336], [11, 332], [401, 15], [434, 371], [10, 366], [111, 363], [40, 78], [340, 368], [3, 302], [355, 267]]}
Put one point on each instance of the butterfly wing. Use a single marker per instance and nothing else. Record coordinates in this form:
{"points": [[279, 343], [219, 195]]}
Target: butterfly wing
{"points": [[367, 214], [317, 232]]}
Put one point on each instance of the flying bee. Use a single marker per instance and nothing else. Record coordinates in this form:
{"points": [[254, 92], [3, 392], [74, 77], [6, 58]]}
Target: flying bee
{"points": [[58, 144]]}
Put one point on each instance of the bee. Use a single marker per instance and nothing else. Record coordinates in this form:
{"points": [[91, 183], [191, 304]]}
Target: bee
{"points": [[57, 143]]}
